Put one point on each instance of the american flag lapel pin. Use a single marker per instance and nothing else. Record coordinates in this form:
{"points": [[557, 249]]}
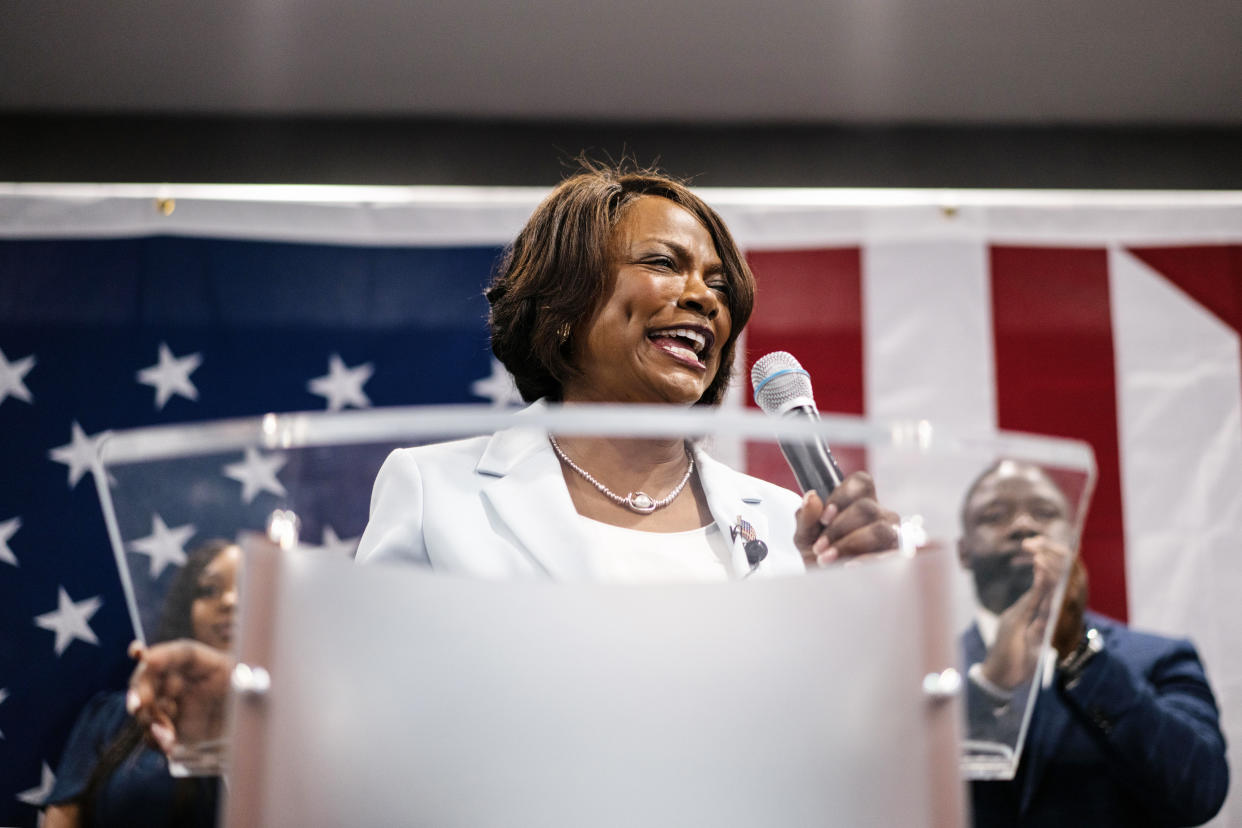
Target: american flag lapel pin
{"points": [[756, 550]]}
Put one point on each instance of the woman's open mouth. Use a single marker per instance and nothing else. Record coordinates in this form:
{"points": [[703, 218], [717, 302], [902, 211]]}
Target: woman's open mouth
{"points": [[686, 344]]}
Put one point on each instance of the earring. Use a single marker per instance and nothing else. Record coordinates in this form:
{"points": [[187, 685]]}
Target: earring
{"points": [[562, 333]]}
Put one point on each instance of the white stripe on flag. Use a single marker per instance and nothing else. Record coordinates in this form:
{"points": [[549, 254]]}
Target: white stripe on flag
{"points": [[928, 346], [928, 351], [1179, 389]]}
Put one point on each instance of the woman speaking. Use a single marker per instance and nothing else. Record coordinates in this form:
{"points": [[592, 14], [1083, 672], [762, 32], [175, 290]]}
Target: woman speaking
{"points": [[623, 287]]}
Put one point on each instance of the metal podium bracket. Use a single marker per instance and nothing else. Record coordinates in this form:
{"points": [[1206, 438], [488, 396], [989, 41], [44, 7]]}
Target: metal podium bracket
{"points": [[943, 685], [251, 681]]}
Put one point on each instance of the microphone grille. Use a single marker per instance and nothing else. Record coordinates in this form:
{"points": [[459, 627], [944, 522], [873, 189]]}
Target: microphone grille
{"points": [[780, 383]]}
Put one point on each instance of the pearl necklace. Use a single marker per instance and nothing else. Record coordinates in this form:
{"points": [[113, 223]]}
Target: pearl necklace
{"points": [[640, 502]]}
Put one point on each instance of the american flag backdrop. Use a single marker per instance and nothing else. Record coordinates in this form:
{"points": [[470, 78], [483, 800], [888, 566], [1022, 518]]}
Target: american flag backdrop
{"points": [[1112, 318]]}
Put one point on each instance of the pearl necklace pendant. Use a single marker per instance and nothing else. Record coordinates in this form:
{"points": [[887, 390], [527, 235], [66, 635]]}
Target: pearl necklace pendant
{"points": [[640, 502]]}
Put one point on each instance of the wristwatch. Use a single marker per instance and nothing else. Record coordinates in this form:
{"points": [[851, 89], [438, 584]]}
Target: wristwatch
{"points": [[1072, 665]]}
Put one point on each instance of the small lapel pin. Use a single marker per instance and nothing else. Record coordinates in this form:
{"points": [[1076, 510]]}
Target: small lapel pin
{"points": [[756, 550]]}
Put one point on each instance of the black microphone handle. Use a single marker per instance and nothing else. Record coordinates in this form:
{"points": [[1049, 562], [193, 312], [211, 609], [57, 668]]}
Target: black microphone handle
{"points": [[812, 462]]}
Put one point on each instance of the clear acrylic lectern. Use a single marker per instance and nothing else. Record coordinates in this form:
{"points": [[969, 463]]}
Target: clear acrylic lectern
{"points": [[405, 695]]}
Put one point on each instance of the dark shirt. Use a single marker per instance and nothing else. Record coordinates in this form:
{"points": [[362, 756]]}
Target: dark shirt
{"points": [[139, 793]]}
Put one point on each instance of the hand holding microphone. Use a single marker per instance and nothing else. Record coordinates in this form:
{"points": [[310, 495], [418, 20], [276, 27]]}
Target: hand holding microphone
{"points": [[839, 517]]}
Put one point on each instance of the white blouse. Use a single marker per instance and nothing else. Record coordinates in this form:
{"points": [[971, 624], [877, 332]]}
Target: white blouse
{"points": [[623, 555]]}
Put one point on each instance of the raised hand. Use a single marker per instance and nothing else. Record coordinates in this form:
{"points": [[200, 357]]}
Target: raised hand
{"points": [[1014, 656], [178, 692], [849, 524]]}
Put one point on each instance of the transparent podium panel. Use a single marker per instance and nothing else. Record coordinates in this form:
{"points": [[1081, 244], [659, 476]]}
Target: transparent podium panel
{"points": [[1021, 519], [440, 616]]}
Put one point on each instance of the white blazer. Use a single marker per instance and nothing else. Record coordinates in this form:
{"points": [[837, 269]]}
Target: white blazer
{"points": [[497, 507]]}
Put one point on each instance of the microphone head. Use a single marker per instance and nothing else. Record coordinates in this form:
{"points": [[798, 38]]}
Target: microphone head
{"points": [[781, 384]]}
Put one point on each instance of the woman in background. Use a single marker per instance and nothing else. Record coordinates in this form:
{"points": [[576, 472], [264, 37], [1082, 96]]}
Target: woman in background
{"points": [[109, 775]]}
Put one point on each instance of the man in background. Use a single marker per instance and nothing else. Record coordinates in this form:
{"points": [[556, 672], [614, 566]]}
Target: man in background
{"points": [[1127, 733]]}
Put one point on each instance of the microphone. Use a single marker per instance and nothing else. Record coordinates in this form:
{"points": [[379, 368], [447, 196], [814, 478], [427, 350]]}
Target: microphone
{"points": [[783, 389]]}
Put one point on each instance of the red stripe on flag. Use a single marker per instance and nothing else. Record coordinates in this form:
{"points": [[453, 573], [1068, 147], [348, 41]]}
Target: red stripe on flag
{"points": [[810, 304], [1055, 375], [1212, 276]]}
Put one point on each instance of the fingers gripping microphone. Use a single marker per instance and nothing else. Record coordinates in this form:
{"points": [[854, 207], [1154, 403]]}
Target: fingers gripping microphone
{"points": [[783, 389]]}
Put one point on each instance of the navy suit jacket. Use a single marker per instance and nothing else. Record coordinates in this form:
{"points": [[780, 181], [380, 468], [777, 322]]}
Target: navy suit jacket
{"points": [[1135, 742]]}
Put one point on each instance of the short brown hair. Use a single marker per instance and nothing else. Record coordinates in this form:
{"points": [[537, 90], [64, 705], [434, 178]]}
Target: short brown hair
{"points": [[558, 273]]}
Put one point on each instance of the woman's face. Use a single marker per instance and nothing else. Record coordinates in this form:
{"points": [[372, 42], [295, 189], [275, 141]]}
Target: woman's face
{"points": [[658, 337], [215, 599]]}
